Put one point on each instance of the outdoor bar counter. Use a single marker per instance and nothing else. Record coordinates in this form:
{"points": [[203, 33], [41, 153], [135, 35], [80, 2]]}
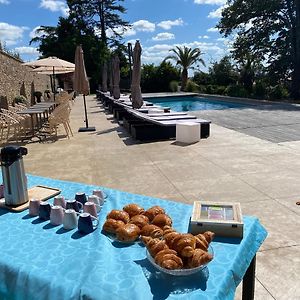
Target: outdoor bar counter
{"points": [[40, 261]]}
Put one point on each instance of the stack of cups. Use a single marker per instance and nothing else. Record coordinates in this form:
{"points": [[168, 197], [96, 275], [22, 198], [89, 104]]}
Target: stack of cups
{"points": [[66, 212]]}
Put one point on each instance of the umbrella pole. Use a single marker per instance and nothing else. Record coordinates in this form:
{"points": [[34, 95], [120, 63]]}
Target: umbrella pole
{"points": [[53, 84], [86, 128]]}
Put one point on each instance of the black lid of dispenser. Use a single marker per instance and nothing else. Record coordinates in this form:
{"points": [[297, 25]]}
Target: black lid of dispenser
{"points": [[10, 154]]}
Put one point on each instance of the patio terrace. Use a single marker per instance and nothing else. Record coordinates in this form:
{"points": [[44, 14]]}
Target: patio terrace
{"points": [[228, 166]]}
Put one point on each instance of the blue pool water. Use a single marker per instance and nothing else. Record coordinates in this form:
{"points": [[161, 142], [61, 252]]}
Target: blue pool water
{"points": [[193, 103]]}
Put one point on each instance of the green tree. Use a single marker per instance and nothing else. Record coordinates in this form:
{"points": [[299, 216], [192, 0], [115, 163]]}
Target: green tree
{"points": [[223, 72], [102, 15], [270, 31], [158, 78], [61, 41], [185, 57]]}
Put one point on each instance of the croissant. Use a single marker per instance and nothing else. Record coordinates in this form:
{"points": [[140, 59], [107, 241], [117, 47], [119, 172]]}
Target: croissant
{"points": [[128, 233], [169, 259], [152, 230], [119, 215], [162, 220], [169, 234], [133, 209], [139, 220], [154, 245], [111, 225], [201, 242], [209, 236], [185, 245], [199, 258], [153, 211]]}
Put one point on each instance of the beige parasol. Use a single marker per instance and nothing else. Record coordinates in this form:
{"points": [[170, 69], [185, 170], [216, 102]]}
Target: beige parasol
{"points": [[81, 84], [116, 77], [49, 70], [53, 63], [104, 77], [136, 94]]}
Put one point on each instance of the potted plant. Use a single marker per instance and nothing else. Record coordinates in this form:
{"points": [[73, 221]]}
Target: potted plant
{"points": [[47, 94], [20, 99], [38, 95]]}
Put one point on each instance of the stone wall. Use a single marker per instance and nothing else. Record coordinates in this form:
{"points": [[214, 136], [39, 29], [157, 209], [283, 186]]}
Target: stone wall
{"points": [[12, 75]]}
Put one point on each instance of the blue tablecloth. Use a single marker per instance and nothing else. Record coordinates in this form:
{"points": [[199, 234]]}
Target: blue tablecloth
{"points": [[39, 261]]}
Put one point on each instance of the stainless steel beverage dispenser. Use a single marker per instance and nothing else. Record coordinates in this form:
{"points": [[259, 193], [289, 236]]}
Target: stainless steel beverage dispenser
{"points": [[13, 174]]}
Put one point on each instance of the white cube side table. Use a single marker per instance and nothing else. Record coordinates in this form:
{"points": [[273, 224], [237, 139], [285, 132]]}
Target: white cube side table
{"points": [[188, 132]]}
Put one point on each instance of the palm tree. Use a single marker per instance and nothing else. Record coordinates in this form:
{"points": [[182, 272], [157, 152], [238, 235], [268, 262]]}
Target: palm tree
{"points": [[185, 57]]}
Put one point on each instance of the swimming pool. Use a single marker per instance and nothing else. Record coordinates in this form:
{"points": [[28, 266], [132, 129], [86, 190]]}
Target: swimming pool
{"points": [[193, 103]]}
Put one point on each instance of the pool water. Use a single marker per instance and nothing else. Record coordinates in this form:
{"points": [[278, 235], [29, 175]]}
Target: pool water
{"points": [[193, 103]]}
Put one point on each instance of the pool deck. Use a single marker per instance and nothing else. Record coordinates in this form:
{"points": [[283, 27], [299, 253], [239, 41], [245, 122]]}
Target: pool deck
{"points": [[231, 165]]}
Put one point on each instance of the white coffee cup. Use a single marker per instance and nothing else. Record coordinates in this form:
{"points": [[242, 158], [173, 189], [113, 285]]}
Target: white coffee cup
{"points": [[100, 194], [90, 207], [56, 215], [34, 206], [59, 201], [96, 200], [70, 220]]}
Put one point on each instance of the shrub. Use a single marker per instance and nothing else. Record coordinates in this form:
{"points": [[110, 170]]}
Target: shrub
{"points": [[259, 90], [211, 89], [191, 86], [174, 86], [20, 99], [236, 91], [220, 90], [278, 92]]}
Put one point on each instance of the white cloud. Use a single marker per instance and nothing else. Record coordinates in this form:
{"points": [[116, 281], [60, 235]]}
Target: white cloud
{"points": [[129, 32], [11, 34], [34, 32], [27, 50], [143, 25], [119, 30], [55, 5], [211, 2], [168, 23], [156, 54], [4, 2], [216, 13], [203, 37], [213, 29], [163, 36]]}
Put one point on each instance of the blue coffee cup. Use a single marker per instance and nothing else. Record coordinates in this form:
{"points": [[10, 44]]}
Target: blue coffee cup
{"points": [[81, 197], [73, 204], [44, 211], [87, 223]]}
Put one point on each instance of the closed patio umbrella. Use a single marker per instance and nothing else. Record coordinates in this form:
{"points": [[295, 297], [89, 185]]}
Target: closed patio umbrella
{"points": [[104, 77], [32, 97], [136, 94], [116, 77], [23, 90], [110, 72], [81, 84]]}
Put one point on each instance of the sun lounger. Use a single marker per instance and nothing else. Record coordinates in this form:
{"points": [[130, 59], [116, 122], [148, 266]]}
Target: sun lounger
{"points": [[143, 127]]}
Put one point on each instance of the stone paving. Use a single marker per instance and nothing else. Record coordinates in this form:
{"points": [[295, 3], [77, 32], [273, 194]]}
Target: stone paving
{"points": [[229, 166]]}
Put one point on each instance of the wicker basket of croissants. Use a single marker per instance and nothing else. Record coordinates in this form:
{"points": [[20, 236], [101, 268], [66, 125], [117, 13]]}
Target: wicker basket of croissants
{"points": [[169, 249]]}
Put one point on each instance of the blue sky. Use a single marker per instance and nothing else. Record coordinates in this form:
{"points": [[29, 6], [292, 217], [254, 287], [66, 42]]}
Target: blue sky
{"points": [[158, 24]]}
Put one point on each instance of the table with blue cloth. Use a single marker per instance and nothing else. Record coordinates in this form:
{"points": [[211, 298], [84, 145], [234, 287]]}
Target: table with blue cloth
{"points": [[40, 261]]}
